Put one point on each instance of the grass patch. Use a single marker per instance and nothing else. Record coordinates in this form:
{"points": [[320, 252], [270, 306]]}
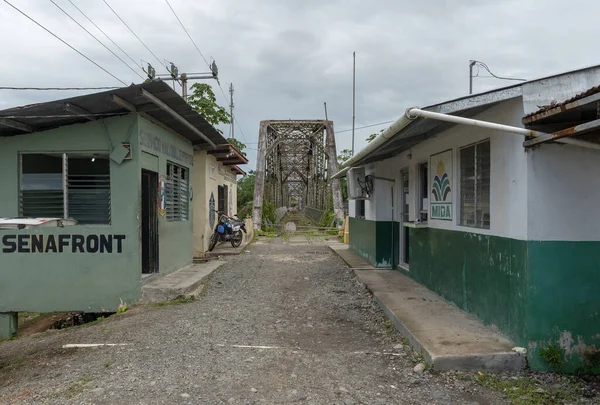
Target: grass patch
{"points": [[405, 341], [523, 391], [28, 316], [553, 355], [78, 386], [182, 299], [107, 364]]}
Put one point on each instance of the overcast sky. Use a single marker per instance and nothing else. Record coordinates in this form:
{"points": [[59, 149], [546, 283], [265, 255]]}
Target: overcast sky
{"points": [[286, 58]]}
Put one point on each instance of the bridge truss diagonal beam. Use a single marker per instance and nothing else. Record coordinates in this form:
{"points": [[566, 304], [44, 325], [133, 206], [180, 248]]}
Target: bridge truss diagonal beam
{"points": [[295, 162]]}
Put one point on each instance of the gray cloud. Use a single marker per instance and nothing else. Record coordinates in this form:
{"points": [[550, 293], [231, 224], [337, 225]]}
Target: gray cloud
{"points": [[287, 58]]}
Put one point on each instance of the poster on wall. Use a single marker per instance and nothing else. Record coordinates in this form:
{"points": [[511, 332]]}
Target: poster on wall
{"points": [[440, 172], [211, 210], [162, 195]]}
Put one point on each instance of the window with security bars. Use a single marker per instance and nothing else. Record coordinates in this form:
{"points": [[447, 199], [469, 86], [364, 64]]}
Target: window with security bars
{"points": [[66, 185], [177, 193], [475, 185]]}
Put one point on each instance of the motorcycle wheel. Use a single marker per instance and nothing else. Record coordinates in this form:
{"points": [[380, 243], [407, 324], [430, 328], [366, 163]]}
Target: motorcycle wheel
{"points": [[236, 239], [213, 241]]}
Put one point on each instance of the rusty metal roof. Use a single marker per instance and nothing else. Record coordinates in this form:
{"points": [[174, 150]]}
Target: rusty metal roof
{"points": [[552, 109]]}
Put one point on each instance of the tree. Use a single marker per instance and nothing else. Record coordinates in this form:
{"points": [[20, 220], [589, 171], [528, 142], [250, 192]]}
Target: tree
{"points": [[238, 145], [204, 101], [343, 156], [245, 194]]}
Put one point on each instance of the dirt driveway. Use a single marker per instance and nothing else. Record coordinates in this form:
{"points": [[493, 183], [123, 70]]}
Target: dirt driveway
{"points": [[285, 323]]}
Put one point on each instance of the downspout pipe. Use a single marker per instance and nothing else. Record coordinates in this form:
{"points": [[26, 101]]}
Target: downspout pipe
{"points": [[413, 113]]}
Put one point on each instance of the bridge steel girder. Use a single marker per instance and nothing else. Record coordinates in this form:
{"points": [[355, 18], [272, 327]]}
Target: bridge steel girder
{"points": [[296, 158]]}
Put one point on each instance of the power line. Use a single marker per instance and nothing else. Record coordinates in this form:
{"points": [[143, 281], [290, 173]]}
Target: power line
{"points": [[64, 42], [188, 34], [366, 126], [59, 88], [105, 34], [134, 34], [97, 40]]}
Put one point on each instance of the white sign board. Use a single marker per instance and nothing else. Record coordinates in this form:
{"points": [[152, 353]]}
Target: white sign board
{"points": [[440, 174]]}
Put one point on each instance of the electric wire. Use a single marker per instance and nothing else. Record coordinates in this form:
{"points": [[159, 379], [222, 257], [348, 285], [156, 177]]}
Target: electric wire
{"points": [[58, 88], [187, 33], [63, 41], [486, 67], [105, 34], [134, 34], [366, 126], [97, 40]]}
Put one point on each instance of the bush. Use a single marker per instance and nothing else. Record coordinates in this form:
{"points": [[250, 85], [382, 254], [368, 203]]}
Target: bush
{"points": [[268, 216]]}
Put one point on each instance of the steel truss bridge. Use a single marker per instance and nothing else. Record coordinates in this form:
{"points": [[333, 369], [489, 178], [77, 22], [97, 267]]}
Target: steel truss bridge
{"points": [[295, 162]]}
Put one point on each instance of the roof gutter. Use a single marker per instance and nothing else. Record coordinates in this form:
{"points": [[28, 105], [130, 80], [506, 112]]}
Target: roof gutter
{"points": [[389, 133]]}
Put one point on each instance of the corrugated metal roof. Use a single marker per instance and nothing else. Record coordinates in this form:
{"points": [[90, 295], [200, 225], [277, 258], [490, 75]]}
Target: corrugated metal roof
{"points": [[52, 114]]}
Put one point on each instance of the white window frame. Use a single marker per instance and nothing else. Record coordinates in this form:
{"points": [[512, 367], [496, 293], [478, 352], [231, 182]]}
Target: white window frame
{"points": [[177, 198], [65, 181], [477, 224]]}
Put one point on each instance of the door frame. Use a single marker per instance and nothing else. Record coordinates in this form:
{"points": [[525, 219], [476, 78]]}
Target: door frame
{"points": [[149, 264], [403, 216]]}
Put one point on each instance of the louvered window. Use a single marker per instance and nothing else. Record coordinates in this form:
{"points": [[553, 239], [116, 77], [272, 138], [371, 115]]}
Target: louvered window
{"points": [[475, 185], [177, 193], [73, 186]]}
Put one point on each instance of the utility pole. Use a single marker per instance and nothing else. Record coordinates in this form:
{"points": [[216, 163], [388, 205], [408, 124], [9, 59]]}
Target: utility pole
{"points": [[231, 110], [353, 96], [471, 64], [325, 104], [184, 77]]}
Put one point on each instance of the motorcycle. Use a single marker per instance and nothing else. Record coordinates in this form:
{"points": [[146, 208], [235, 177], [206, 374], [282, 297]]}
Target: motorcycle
{"points": [[228, 229]]}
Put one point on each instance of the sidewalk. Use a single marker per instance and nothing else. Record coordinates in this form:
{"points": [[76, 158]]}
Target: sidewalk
{"points": [[449, 338], [184, 281], [225, 249]]}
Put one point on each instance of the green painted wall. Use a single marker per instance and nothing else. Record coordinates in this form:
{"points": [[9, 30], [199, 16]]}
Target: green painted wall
{"points": [[376, 241], [484, 275], [175, 238], [536, 293], [68, 281], [564, 299]]}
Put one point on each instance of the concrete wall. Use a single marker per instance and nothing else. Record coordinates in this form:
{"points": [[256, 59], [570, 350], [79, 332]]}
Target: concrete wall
{"points": [[534, 273], [209, 175], [69, 281], [175, 237]]}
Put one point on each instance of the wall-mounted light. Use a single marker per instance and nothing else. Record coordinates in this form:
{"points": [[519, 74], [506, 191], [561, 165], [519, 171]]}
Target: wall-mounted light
{"points": [[94, 157]]}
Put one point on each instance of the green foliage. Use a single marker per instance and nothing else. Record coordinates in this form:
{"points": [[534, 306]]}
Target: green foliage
{"points": [[343, 156], [268, 214], [523, 391], [245, 194], [553, 355], [182, 299], [373, 136], [238, 145], [203, 100]]}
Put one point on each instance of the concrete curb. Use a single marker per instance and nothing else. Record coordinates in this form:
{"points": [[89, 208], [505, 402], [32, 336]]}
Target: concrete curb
{"points": [[181, 282], [230, 251], [495, 361]]}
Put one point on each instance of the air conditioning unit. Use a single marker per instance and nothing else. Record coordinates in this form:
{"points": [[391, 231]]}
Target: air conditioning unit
{"points": [[356, 183]]}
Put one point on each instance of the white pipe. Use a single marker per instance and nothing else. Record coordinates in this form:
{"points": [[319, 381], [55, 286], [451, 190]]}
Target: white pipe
{"points": [[413, 113], [392, 130]]}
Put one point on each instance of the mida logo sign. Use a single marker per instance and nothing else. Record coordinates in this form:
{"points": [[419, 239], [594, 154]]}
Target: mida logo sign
{"points": [[441, 189]]}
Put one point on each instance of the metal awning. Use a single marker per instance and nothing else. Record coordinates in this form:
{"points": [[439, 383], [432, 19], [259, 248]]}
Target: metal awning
{"points": [[228, 155], [154, 100]]}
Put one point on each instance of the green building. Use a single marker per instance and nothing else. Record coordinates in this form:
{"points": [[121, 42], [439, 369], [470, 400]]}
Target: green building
{"points": [[120, 163], [503, 225]]}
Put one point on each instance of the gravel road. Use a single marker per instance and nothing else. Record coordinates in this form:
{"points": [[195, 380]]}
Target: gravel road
{"points": [[286, 323]]}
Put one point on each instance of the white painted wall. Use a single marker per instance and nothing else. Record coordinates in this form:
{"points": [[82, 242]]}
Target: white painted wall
{"points": [[563, 195], [508, 192]]}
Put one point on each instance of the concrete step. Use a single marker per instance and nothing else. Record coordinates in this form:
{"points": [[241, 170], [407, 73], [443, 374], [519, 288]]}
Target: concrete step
{"points": [[225, 249], [353, 260], [181, 282], [449, 338]]}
